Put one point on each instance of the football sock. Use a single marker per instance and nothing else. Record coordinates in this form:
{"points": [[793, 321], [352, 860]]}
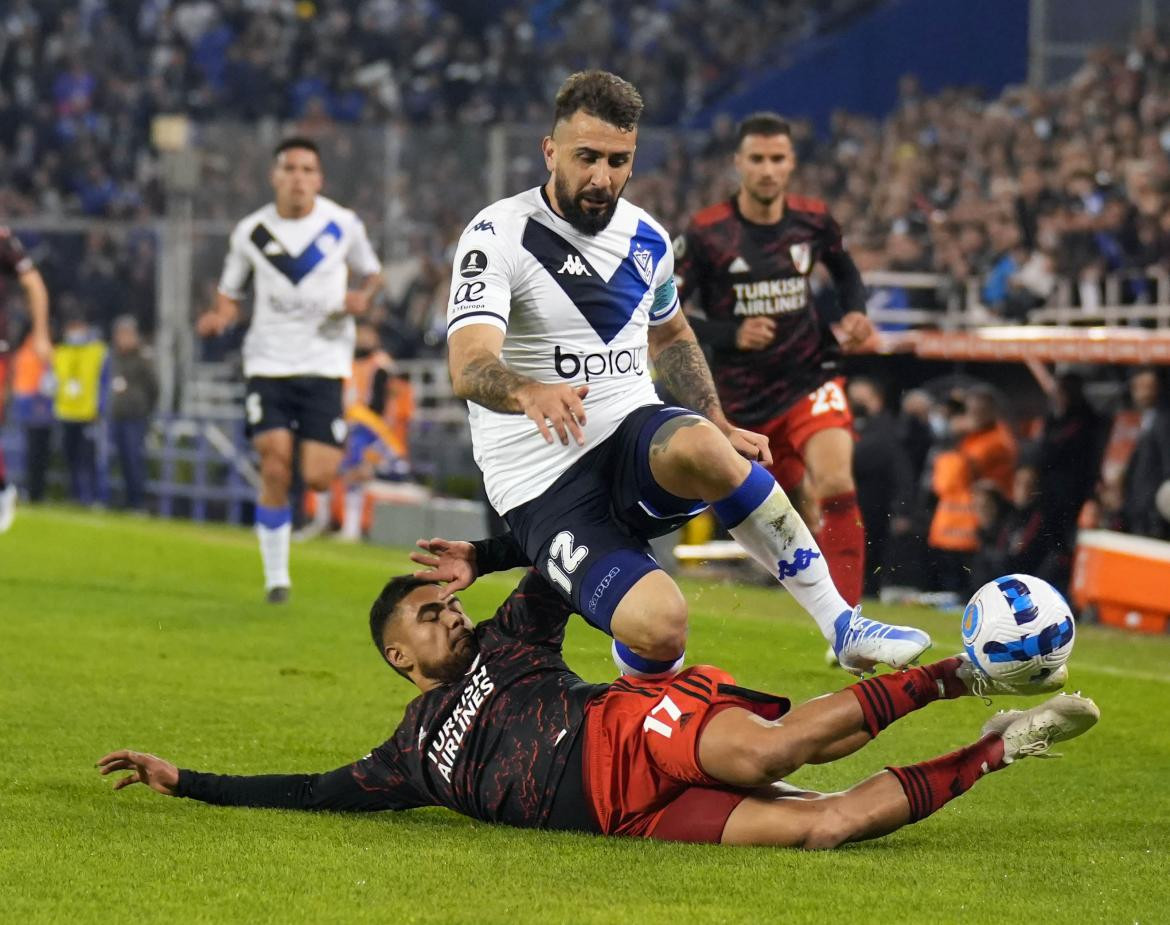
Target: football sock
{"points": [[763, 521], [932, 784], [273, 528], [631, 663], [887, 697], [842, 538], [355, 501], [321, 511]]}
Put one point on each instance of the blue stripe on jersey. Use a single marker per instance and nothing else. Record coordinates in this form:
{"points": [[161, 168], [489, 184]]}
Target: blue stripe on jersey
{"points": [[608, 305], [298, 267]]}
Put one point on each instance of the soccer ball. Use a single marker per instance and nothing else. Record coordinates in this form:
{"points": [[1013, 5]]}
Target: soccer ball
{"points": [[1018, 629]]}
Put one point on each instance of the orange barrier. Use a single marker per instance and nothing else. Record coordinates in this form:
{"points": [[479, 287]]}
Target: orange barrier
{"points": [[1126, 579], [1045, 343]]}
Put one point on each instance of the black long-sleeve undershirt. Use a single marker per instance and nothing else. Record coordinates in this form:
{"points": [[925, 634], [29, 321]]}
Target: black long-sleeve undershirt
{"points": [[334, 790]]}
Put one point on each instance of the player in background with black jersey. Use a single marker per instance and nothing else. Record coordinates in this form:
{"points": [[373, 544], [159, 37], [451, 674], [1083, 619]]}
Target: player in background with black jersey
{"points": [[745, 265]]}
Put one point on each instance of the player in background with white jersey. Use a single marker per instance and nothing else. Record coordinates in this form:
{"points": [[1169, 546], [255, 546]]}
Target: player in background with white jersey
{"points": [[300, 252], [560, 298]]}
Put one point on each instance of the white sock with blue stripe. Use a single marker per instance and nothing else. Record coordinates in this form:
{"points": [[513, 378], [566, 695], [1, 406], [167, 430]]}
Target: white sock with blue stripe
{"points": [[273, 529], [763, 521]]}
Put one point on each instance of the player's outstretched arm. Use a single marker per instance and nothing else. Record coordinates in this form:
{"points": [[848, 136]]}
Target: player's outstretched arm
{"points": [[478, 375], [337, 790], [683, 369], [458, 564], [220, 317]]}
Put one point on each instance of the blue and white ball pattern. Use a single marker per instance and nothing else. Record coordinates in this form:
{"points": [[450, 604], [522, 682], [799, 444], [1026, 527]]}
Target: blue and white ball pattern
{"points": [[1018, 628]]}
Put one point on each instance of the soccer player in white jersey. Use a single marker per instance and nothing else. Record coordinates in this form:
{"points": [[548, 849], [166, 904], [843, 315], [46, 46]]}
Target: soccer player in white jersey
{"points": [[300, 252], [561, 297]]}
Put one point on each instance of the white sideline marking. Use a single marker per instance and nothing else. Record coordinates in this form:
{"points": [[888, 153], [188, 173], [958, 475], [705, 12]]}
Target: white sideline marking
{"points": [[1124, 673]]}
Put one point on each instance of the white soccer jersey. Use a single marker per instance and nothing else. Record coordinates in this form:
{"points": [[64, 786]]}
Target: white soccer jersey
{"points": [[575, 308], [300, 273]]}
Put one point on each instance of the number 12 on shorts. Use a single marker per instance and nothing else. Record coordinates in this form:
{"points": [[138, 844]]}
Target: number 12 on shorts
{"points": [[569, 556], [653, 724]]}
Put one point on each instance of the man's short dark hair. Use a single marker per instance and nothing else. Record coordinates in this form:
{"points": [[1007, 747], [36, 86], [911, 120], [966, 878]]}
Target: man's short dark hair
{"points": [[762, 123], [385, 608], [600, 94], [297, 142]]}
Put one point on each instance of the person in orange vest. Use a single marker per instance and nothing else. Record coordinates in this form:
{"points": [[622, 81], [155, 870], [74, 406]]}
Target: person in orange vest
{"points": [[954, 528], [985, 440], [32, 407]]}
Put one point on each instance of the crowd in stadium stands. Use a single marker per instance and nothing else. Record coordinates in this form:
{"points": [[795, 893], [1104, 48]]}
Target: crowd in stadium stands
{"points": [[1019, 194], [952, 491]]}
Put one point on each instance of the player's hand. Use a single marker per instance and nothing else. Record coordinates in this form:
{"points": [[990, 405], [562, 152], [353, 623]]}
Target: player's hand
{"points": [[750, 445], [856, 330], [559, 408], [449, 561], [212, 323], [160, 776], [43, 348], [755, 333], [356, 302]]}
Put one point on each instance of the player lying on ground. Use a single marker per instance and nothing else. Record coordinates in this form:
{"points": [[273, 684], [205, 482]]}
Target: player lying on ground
{"points": [[503, 731], [562, 297]]}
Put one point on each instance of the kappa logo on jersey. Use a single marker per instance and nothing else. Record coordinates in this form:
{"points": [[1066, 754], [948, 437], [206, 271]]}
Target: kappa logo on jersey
{"points": [[473, 264], [298, 267], [801, 256], [608, 305], [574, 266]]}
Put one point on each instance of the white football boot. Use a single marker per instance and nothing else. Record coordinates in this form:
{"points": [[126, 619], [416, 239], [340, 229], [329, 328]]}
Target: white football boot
{"points": [[1031, 733], [861, 644], [982, 685]]}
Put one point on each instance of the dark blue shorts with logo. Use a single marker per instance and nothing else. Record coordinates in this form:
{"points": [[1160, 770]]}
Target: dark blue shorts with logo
{"points": [[589, 532]]}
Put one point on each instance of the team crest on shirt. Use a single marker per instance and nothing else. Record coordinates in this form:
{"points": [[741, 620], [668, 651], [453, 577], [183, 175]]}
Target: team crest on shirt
{"points": [[644, 261], [801, 257]]}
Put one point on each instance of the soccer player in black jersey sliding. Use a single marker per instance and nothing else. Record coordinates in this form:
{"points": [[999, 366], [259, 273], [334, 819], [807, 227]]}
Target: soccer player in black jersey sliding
{"points": [[504, 731]]}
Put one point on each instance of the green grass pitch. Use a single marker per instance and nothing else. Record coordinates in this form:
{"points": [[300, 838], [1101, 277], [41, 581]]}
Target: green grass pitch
{"points": [[119, 632]]}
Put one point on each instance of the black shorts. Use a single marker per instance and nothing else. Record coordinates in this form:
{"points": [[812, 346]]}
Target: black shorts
{"points": [[588, 532], [310, 406]]}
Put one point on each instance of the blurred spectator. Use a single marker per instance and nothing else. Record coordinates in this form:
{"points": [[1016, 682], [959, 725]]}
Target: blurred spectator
{"points": [[134, 393], [954, 527], [1149, 466], [1069, 459], [32, 409], [81, 367], [914, 430], [985, 441], [885, 487]]}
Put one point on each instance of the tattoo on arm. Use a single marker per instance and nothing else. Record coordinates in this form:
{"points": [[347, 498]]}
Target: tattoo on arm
{"points": [[488, 382], [685, 373]]}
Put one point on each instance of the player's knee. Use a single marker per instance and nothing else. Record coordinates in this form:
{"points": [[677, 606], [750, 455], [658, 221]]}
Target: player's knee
{"points": [[652, 620], [834, 483], [697, 461], [275, 471]]}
